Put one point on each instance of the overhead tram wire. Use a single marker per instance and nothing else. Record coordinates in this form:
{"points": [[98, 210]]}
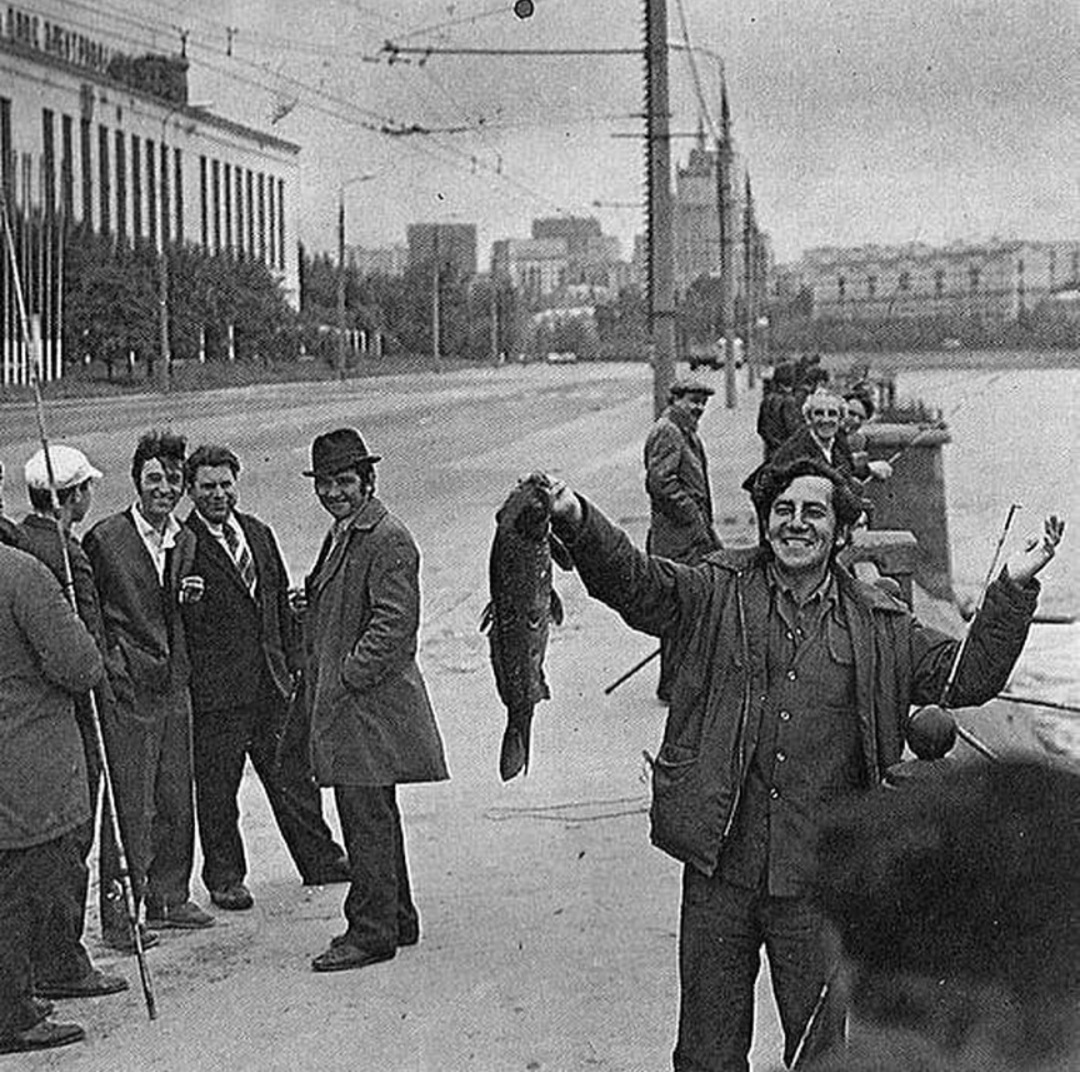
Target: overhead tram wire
{"points": [[450, 155], [695, 75]]}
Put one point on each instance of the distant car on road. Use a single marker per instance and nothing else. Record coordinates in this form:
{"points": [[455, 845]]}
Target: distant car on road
{"points": [[713, 356], [561, 357]]}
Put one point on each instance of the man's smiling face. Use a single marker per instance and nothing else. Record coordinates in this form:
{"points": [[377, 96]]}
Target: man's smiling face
{"points": [[802, 525]]}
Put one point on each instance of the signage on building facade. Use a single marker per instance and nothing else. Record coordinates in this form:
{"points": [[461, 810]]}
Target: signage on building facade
{"points": [[43, 35]]}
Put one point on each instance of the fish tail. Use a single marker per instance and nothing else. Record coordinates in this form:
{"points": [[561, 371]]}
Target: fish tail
{"points": [[514, 755]]}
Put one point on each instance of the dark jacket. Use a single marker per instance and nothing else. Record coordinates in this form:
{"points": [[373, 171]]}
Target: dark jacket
{"points": [[371, 719], [47, 658], [144, 635], [778, 419], [717, 615], [677, 480], [231, 638]]}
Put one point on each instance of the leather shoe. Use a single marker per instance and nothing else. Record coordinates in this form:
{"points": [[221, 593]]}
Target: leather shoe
{"points": [[234, 898], [44, 1035], [346, 955], [94, 984], [42, 1008], [185, 917], [124, 942]]}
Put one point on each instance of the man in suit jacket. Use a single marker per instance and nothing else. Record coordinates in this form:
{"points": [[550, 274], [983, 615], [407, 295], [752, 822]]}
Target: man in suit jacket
{"points": [[372, 726], [245, 652], [140, 557]]}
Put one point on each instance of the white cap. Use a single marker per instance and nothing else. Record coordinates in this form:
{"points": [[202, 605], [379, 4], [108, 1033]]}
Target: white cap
{"points": [[70, 467]]}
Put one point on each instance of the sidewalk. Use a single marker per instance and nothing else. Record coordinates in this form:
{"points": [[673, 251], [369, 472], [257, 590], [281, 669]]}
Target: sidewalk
{"points": [[548, 921]]}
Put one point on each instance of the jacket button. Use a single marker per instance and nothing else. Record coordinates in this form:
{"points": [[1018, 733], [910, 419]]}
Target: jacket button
{"points": [[774, 793], [791, 675], [785, 716], [780, 757]]}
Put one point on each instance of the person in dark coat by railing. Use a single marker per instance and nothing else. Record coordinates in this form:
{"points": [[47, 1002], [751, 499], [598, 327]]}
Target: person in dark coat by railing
{"points": [[793, 690], [677, 482], [372, 725], [245, 654]]}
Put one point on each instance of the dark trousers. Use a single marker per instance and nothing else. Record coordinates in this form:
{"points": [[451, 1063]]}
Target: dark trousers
{"points": [[379, 903], [149, 748], [32, 882], [223, 739], [722, 930], [60, 954]]}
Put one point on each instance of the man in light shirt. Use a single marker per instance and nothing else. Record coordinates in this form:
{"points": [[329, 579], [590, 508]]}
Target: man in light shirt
{"points": [[141, 557]]}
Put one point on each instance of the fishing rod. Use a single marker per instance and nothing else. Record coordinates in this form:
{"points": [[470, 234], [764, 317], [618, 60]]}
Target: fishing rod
{"points": [[33, 352], [941, 728]]}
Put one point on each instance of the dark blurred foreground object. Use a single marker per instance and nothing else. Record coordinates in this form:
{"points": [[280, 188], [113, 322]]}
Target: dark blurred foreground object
{"points": [[957, 900]]}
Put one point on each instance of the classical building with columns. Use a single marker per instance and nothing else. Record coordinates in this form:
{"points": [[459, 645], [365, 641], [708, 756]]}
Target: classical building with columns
{"points": [[91, 135]]}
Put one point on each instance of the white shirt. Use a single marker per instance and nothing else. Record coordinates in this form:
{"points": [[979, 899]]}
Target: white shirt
{"points": [[157, 543]]}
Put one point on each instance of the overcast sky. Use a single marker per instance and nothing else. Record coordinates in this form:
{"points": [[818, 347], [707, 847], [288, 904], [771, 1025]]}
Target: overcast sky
{"points": [[860, 121]]}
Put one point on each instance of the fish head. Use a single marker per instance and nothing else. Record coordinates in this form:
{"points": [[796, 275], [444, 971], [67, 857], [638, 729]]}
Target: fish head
{"points": [[528, 508]]}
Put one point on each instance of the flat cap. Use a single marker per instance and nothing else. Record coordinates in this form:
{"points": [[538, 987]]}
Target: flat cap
{"points": [[70, 468]]}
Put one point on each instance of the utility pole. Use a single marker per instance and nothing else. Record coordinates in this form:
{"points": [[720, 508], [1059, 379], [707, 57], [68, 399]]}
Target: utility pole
{"points": [[340, 354], [494, 321], [749, 282], [435, 341], [661, 251], [725, 160]]}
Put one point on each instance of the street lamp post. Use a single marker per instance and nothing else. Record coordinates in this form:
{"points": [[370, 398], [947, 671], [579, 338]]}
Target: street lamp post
{"points": [[340, 352]]}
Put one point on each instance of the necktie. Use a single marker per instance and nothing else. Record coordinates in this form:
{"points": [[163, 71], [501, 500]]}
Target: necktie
{"points": [[241, 556]]}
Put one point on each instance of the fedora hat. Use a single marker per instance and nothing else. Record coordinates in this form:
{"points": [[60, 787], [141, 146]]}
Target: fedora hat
{"points": [[338, 450]]}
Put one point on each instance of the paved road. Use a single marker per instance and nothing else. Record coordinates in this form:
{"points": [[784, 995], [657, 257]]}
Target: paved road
{"points": [[549, 923]]}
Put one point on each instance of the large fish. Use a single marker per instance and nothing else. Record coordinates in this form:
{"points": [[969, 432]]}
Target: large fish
{"points": [[523, 604]]}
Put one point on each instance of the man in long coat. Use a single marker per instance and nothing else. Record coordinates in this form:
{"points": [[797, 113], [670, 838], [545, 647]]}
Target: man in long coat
{"points": [[677, 481], [372, 726]]}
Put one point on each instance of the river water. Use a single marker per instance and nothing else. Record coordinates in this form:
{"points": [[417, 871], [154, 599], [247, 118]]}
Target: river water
{"points": [[1014, 440]]}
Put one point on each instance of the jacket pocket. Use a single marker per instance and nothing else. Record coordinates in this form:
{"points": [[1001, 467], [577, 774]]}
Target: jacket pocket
{"points": [[681, 822]]}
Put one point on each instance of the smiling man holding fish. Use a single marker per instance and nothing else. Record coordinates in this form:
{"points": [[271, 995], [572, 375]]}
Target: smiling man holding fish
{"points": [[793, 691]]}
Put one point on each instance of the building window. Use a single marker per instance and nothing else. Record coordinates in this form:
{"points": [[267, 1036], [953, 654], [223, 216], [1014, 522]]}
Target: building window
{"points": [[67, 166], [163, 176], [136, 187], [841, 288], [939, 282], [104, 189], [121, 185], [178, 193], [227, 191], [151, 194], [1075, 266], [240, 216], [6, 170], [86, 172], [250, 213], [1020, 266], [904, 282], [215, 202], [871, 286], [48, 141], [973, 278], [204, 210], [281, 223], [262, 216]]}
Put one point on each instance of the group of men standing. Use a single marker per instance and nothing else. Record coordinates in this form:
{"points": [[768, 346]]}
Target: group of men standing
{"points": [[186, 649]]}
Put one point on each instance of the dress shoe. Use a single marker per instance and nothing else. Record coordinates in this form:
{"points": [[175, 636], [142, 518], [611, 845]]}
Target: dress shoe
{"points": [[124, 942], [234, 898], [42, 1008], [94, 984], [184, 917], [44, 1035], [346, 955], [336, 871]]}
